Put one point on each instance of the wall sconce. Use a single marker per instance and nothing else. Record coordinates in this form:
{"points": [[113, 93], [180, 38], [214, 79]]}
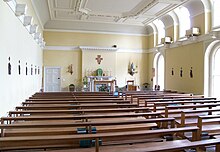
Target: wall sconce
{"points": [[43, 44], [37, 35], [70, 69], [132, 69], [33, 29], [27, 20], [194, 31], [20, 9], [40, 40], [166, 40]]}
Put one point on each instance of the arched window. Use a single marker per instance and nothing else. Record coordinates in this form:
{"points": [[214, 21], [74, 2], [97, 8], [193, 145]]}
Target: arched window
{"points": [[212, 70], [160, 28], [216, 12], [159, 70], [216, 73], [184, 20]]}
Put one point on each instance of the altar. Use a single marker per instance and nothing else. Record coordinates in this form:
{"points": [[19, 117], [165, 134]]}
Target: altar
{"points": [[95, 82]]}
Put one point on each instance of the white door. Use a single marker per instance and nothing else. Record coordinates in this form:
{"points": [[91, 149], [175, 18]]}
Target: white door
{"points": [[52, 79]]}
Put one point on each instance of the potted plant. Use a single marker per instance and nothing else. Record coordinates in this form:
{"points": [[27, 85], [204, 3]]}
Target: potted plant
{"points": [[85, 81]]}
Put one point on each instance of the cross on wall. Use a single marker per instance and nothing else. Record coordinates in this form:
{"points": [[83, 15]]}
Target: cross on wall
{"points": [[99, 59]]}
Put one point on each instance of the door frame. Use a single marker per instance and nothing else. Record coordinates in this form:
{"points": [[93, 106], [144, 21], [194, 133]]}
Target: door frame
{"points": [[51, 67]]}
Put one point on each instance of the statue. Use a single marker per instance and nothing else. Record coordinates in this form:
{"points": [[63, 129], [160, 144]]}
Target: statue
{"points": [[132, 69], [9, 66], [99, 72]]}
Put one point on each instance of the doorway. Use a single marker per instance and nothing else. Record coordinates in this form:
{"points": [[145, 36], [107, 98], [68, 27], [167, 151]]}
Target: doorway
{"points": [[52, 80]]}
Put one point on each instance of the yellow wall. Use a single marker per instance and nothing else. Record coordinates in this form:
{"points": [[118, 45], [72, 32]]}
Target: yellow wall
{"points": [[169, 32], [150, 66], [90, 39], [151, 41], [89, 62], [18, 44], [124, 60], [209, 21], [182, 56], [199, 21], [117, 62], [113, 63], [186, 57], [63, 59]]}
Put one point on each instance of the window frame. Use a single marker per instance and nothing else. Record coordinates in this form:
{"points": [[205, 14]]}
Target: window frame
{"points": [[157, 57]]}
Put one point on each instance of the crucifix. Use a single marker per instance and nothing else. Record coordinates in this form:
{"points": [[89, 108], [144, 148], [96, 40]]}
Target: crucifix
{"points": [[99, 59]]}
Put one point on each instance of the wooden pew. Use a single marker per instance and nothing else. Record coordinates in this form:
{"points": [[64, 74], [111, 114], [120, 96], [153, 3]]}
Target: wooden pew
{"points": [[88, 125], [39, 143], [208, 123], [77, 98], [182, 107], [73, 99], [15, 143], [149, 99], [148, 93], [66, 94], [78, 106], [181, 102], [142, 96], [85, 118], [73, 102], [190, 117], [172, 99], [77, 111], [167, 146], [73, 93]]}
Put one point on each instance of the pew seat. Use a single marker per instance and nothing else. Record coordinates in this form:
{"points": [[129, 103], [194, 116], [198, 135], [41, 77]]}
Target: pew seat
{"points": [[10, 143], [168, 146]]}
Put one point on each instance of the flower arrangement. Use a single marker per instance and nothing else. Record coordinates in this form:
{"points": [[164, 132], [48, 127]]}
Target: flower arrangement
{"points": [[104, 88]]}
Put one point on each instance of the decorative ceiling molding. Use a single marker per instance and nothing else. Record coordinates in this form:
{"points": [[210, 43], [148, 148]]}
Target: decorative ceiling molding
{"points": [[123, 16], [139, 12], [62, 48], [94, 48], [197, 39]]}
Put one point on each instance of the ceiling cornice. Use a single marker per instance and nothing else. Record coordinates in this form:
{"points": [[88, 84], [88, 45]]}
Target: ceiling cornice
{"points": [[95, 32], [37, 14]]}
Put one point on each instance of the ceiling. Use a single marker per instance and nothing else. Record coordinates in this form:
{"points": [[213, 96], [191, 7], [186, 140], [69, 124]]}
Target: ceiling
{"points": [[115, 16]]}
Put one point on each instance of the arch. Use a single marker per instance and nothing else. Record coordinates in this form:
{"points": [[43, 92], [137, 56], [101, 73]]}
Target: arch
{"points": [[215, 72], [184, 20], [159, 66], [196, 7], [215, 14], [207, 5], [155, 32], [175, 25], [161, 30], [208, 63], [150, 30], [168, 22], [207, 10]]}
